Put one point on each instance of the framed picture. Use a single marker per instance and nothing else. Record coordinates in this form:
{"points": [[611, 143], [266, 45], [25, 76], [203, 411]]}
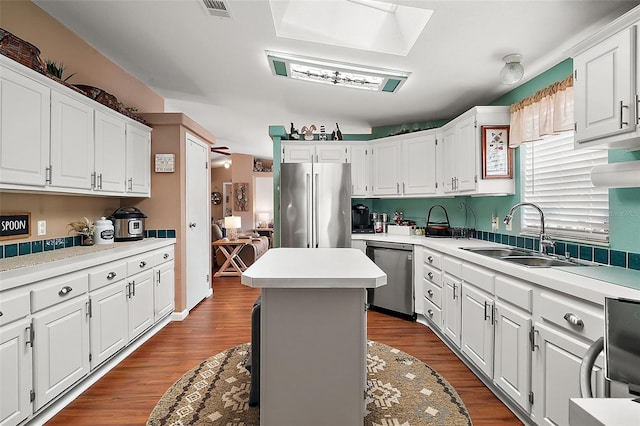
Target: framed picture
{"points": [[497, 157]]}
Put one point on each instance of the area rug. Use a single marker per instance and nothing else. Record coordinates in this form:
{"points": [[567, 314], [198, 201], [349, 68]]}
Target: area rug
{"points": [[401, 391]]}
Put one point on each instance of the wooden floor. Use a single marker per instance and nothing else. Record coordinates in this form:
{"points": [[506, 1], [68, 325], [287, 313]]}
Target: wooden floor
{"points": [[128, 393]]}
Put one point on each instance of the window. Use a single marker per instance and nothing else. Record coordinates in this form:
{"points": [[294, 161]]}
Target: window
{"points": [[558, 179]]}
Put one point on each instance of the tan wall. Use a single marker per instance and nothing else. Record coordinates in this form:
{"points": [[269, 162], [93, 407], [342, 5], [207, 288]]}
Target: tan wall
{"points": [[242, 172], [219, 175], [27, 21]]}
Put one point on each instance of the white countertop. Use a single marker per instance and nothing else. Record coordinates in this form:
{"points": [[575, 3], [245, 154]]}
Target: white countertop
{"points": [[578, 282], [314, 268], [604, 412], [20, 270]]}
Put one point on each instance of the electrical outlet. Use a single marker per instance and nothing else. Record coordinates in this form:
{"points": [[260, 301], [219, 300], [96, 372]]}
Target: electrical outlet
{"points": [[42, 227], [508, 226], [495, 225]]}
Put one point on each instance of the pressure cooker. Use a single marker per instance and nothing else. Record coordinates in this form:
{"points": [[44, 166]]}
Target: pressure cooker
{"points": [[128, 224]]}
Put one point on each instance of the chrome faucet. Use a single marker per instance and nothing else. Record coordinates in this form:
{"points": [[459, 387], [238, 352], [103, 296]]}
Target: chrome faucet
{"points": [[544, 238]]}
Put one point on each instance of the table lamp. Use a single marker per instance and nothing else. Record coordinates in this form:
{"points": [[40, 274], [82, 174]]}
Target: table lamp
{"points": [[232, 223]]}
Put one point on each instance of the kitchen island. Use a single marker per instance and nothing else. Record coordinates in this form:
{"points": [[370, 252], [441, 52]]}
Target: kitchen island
{"points": [[313, 334]]}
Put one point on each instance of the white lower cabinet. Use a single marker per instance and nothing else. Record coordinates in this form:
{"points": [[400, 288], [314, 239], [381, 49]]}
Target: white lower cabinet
{"points": [[477, 334], [140, 303], [163, 292], [60, 348], [108, 325], [15, 370], [556, 373], [451, 308]]}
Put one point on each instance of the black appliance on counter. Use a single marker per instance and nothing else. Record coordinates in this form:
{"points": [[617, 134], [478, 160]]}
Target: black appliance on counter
{"points": [[361, 220]]}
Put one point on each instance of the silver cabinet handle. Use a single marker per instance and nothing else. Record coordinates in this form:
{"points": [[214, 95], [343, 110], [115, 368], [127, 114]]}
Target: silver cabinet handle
{"points": [[403, 189], [93, 180], [430, 275], [65, 290], [111, 275], [48, 174], [454, 291], [165, 256], [622, 107], [100, 181], [397, 188], [573, 319], [158, 277], [430, 293], [130, 184], [637, 109], [430, 259], [485, 310], [430, 313]]}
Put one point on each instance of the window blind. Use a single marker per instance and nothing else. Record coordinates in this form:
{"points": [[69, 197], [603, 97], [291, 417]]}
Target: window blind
{"points": [[557, 178]]}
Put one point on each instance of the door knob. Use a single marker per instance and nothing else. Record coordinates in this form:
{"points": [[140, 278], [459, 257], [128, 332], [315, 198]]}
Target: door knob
{"points": [[192, 225]]}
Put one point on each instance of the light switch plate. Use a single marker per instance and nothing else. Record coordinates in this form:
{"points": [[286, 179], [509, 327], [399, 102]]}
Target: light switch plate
{"points": [[495, 225]]}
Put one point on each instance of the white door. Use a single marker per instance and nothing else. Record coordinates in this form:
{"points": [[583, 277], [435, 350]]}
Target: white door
{"points": [[466, 148], [15, 370], [108, 331], [110, 152], [138, 164], [477, 327], [140, 300], [419, 165], [451, 308], [386, 168], [359, 170], [198, 228]]}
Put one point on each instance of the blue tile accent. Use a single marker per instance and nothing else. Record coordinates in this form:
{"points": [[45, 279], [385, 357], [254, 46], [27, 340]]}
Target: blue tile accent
{"points": [[572, 249], [162, 233], [560, 248], [49, 244], [528, 243], [601, 255], [618, 258], [520, 242], [512, 240], [152, 233], [10, 250], [505, 239], [1, 252], [634, 261], [171, 233], [68, 241], [77, 240], [36, 246], [24, 248], [586, 253], [59, 243]]}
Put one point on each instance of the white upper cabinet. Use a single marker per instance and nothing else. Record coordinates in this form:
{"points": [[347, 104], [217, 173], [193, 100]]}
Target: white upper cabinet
{"points": [[360, 178], [386, 168], [137, 162], [418, 159], [326, 152], [71, 142], [25, 118], [333, 153], [74, 144], [604, 86]]}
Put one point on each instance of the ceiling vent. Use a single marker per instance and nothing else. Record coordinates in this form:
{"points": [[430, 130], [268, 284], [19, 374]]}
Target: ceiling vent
{"points": [[216, 8]]}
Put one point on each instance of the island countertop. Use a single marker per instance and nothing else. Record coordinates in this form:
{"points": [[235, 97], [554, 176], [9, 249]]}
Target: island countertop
{"points": [[314, 268]]}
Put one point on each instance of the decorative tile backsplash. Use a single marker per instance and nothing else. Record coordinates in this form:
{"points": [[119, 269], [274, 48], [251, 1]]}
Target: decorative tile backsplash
{"points": [[20, 249], [580, 251]]}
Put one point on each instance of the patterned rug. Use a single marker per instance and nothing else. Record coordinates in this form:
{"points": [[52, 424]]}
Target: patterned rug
{"points": [[401, 391]]}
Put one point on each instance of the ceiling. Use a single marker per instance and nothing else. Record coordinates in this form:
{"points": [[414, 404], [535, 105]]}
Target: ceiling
{"points": [[215, 69]]}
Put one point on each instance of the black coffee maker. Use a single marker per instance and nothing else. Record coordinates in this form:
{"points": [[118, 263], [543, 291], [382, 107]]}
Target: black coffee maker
{"points": [[361, 220]]}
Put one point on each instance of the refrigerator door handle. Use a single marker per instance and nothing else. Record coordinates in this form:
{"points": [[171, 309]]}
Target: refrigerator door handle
{"points": [[309, 218], [315, 210]]}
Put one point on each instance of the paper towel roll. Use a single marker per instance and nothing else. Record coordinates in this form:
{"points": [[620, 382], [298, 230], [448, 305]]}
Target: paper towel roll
{"points": [[617, 175]]}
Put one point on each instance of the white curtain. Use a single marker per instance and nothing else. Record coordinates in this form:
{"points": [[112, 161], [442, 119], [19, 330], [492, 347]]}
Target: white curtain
{"points": [[548, 112]]}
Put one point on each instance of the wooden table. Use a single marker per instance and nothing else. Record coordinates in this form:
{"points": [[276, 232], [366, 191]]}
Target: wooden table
{"points": [[233, 265]]}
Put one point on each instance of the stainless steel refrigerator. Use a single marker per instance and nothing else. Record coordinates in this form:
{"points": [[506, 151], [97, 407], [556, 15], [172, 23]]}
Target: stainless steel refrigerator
{"points": [[315, 205]]}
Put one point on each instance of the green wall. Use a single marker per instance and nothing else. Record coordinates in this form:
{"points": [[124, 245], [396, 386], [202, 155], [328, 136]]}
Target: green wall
{"points": [[624, 204]]}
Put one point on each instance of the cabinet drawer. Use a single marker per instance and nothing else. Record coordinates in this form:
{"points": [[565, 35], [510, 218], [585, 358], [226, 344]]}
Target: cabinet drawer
{"points": [[58, 290], [432, 258], [479, 277], [140, 263], [13, 308], [433, 293], [164, 255], [452, 266], [515, 292], [572, 314], [432, 313], [103, 275], [432, 275]]}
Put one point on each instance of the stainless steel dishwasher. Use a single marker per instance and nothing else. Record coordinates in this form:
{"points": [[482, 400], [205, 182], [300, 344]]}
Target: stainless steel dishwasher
{"points": [[396, 260]]}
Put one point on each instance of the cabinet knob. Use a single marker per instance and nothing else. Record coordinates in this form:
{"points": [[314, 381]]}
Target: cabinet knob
{"points": [[166, 256], [1, 314], [111, 275], [430, 293], [430, 275], [430, 313], [65, 290], [573, 319], [143, 264], [430, 259]]}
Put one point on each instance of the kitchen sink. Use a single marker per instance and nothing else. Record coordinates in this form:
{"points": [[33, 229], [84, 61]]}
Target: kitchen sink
{"points": [[524, 257], [500, 251], [539, 261]]}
